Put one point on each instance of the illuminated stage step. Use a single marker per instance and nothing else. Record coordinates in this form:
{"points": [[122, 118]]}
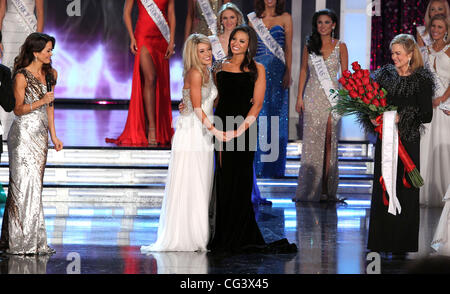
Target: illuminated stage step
{"points": [[111, 174]]}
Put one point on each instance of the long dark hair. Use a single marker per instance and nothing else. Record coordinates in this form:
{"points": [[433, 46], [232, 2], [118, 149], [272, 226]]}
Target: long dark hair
{"points": [[314, 42], [35, 42], [260, 7], [248, 61]]}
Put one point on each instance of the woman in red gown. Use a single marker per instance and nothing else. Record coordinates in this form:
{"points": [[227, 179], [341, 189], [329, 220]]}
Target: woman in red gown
{"points": [[149, 120]]}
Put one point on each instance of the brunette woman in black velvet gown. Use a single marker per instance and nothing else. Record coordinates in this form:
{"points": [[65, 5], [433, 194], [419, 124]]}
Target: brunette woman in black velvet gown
{"points": [[241, 85], [410, 88]]}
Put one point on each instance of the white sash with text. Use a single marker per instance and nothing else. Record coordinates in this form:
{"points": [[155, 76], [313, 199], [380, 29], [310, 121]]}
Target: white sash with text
{"points": [[28, 16], [210, 16], [158, 17]]}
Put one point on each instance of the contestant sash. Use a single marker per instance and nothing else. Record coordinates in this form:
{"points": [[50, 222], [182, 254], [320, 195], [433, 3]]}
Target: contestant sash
{"points": [[389, 160], [425, 36], [266, 37], [210, 16], [28, 16], [217, 49], [324, 78], [158, 17]]}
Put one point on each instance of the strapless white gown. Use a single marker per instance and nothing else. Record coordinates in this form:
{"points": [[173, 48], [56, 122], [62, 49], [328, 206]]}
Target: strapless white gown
{"points": [[184, 222]]}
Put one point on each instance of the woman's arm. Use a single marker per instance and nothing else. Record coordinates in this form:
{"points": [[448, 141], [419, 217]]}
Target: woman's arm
{"points": [[51, 121], [21, 108], [127, 9], [172, 24], [302, 81], [344, 56], [189, 19], [2, 12], [258, 100], [40, 15], [419, 40], [288, 49]]}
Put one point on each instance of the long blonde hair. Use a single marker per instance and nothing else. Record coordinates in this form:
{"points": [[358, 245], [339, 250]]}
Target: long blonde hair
{"points": [[229, 6], [190, 54], [409, 44], [427, 13]]}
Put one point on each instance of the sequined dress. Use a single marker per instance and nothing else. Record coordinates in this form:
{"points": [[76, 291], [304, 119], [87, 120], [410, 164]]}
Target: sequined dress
{"points": [[200, 26], [23, 227], [184, 221], [275, 109], [315, 119]]}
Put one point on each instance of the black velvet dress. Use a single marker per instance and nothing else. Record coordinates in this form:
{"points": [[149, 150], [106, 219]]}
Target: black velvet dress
{"points": [[234, 228], [413, 96]]}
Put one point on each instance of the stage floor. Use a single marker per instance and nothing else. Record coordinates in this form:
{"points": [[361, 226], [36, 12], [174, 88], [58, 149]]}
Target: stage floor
{"points": [[107, 238], [102, 204]]}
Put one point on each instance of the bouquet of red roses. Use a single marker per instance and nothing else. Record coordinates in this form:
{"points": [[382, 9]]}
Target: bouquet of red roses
{"points": [[363, 97]]}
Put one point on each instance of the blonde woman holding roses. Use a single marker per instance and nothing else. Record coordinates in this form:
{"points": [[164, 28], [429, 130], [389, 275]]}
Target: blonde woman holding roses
{"points": [[318, 176]]}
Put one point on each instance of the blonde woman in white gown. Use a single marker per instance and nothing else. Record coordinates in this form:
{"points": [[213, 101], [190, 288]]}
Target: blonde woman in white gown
{"points": [[435, 141], [184, 222], [15, 26]]}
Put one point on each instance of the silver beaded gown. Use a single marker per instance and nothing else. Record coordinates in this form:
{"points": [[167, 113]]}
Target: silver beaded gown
{"points": [[315, 118], [23, 227]]}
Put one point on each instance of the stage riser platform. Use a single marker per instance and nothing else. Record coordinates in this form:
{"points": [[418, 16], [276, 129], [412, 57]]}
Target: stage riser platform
{"points": [[137, 175]]}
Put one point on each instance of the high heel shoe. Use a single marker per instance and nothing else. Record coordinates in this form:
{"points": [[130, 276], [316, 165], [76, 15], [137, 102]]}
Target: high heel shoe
{"points": [[152, 137]]}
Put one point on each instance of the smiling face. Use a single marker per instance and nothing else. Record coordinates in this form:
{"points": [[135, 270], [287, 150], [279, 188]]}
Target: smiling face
{"points": [[204, 54], [438, 29], [437, 7], [270, 3], [229, 20], [239, 43], [45, 56], [325, 25], [399, 55]]}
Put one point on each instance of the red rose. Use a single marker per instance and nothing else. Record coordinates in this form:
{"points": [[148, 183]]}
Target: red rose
{"points": [[366, 81], [375, 92], [348, 87], [365, 100], [376, 102], [347, 74], [351, 81], [359, 74], [381, 94], [383, 102], [361, 90], [353, 94], [369, 88], [359, 83], [376, 85], [343, 81], [356, 66], [370, 96], [366, 73]]}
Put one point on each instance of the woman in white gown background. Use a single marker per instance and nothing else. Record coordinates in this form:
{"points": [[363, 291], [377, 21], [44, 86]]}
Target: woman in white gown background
{"points": [[15, 28], [435, 140], [184, 222]]}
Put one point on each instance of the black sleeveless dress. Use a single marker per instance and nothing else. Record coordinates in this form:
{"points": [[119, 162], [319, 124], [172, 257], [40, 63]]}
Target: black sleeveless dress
{"points": [[234, 228]]}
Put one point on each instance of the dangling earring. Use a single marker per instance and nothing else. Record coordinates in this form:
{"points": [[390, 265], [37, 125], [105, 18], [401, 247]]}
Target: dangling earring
{"points": [[445, 37], [409, 63], [332, 34]]}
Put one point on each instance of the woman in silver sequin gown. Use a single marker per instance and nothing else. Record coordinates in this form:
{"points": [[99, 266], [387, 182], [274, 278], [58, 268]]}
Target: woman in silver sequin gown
{"points": [[319, 176], [23, 227]]}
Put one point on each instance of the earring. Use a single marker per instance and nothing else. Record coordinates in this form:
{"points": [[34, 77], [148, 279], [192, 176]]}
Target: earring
{"points": [[409, 62], [445, 37], [332, 34]]}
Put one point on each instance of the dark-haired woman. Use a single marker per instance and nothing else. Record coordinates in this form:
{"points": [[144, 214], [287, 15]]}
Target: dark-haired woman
{"points": [[23, 228], [241, 85], [324, 53], [274, 28], [15, 28]]}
